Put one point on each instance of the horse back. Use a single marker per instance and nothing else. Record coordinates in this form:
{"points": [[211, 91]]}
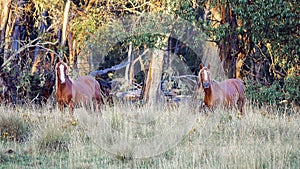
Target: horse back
{"points": [[233, 87], [87, 86], [239, 85]]}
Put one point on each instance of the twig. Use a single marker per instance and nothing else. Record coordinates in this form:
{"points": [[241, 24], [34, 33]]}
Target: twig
{"points": [[35, 98]]}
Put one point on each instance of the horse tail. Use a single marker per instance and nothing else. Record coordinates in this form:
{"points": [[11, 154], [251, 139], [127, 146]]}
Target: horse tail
{"points": [[98, 94], [240, 86]]}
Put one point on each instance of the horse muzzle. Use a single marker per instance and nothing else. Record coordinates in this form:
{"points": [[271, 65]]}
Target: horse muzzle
{"points": [[206, 85], [62, 81]]}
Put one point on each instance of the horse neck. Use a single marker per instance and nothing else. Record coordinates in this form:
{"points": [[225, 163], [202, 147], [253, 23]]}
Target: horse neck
{"points": [[209, 91]]}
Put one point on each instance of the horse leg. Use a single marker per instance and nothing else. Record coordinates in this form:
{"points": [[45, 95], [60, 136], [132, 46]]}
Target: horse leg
{"points": [[240, 90], [71, 107], [98, 98], [98, 104], [241, 103], [60, 106], [92, 105]]}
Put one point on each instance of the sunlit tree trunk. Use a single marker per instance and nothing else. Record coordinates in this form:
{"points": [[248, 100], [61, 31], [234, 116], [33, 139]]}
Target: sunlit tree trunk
{"points": [[65, 22], [37, 51], [129, 60], [152, 88], [229, 45], [239, 64], [5, 5], [72, 50], [64, 30]]}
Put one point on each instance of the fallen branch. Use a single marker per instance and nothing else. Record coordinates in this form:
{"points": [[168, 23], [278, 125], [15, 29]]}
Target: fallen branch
{"points": [[114, 68], [192, 78]]}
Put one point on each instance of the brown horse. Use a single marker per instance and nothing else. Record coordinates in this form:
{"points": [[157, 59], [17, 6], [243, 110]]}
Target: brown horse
{"points": [[82, 91], [230, 92]]}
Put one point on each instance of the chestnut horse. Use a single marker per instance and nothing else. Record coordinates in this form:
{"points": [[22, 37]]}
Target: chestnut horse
{"points": [[82, 91], [230, 92]]}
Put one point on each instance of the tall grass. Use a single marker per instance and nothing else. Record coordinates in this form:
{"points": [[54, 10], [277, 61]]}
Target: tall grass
{"points": [[178, 137]]}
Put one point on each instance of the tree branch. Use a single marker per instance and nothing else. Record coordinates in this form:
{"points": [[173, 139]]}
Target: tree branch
{"points": [[29, 45]]}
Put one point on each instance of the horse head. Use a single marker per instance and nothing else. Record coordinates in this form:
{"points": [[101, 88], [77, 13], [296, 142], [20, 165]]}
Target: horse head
{"points": [[61, 72], [204, 76]]}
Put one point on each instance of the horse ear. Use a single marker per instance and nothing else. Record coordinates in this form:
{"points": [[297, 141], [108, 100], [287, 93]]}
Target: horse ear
{"points": [[208, 66], [200, 66], [56, 60]]}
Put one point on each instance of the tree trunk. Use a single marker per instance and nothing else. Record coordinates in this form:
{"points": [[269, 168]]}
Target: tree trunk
{"points": [[72, 48], [239, 64], [37, 51], [152, 88], [167, 63], [15, 57], [65, 23], [229, 45], [129, 59], [15, 36], [5, 5]]}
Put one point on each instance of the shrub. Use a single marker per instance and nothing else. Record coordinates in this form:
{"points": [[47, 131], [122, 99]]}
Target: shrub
{"points": [[283, 94]]}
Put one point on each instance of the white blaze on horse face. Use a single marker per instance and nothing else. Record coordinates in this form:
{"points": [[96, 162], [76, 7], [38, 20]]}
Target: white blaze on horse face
{"points": [[62, 74], [205, 75]]}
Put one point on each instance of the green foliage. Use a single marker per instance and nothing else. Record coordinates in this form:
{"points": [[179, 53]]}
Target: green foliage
{"points": [[263, 95], [275, 25], [275, 22], [183, 9], [28, 86], [55, 9], [85, 27], [112, 40], [282, 94], [218, 33]]}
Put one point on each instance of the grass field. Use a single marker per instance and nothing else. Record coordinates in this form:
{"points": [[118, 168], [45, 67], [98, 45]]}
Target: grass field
{"points": [[148, 137]]}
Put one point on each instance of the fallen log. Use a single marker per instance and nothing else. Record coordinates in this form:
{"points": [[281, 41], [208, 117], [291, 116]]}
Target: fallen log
{"points": [[113, 68]]}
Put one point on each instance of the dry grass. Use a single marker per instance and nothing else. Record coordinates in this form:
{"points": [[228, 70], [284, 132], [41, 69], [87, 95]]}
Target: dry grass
{"points": [[152, 137]]}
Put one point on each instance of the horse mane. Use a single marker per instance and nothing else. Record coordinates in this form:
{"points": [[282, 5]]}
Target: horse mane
{"points": [[214, 83]]}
